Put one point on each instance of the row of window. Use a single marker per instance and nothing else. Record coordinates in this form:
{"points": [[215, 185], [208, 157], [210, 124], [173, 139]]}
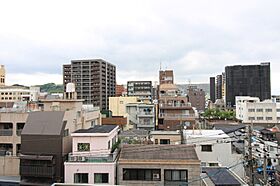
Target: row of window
{"points": [[98, 178], [262, 118], [14, 93], [154, 175], [261, 110]]}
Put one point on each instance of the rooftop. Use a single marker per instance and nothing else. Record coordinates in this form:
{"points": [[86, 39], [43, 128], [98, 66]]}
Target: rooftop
{"points": [[44, 123], [221, 176], [134, 133], [205, 133], [158, 152], [161, 132], [98, 129]]}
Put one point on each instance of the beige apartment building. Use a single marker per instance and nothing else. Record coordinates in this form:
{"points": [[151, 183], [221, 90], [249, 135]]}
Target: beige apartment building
{"points": [[118, 105]]}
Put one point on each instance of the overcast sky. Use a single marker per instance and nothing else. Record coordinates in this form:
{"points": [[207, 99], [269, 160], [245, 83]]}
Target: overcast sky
{"points": [[196, 39]]}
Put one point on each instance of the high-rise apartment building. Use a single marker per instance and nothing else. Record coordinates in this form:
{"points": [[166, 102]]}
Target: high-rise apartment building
{"points": [[95, 80], [2, 75], [219, 86], [166, 77], [212, 89], [247, 80], [141, 89]]}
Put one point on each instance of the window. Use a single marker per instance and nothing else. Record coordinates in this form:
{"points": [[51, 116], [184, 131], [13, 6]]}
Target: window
{"points": [[176, 175], [259, 110], [81, 178], [164, 141], [203, 164], [156, 141], [206, 148], [66, 132], [83, 147], [213, 164], [251, 118], [278, 118], [251, 110], [268, 110], [141, 174], [259, 118], [101, 178], [121, 102], [268, 118], [277, 110]]}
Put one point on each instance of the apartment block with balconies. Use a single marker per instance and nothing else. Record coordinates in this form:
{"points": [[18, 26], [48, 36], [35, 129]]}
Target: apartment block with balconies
{"points": [[141, 89], [174, 109], [93, 157], [95, 80], [142, 115]]}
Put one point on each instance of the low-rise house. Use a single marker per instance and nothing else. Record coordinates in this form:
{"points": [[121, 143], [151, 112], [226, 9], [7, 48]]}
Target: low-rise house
{"points": [[214, 149], [170, 165], [93, 157], [165, 137]]}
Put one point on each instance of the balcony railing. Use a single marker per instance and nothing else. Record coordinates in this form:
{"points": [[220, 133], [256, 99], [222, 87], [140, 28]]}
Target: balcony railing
{"points": [[93, 158], [6, 132], [177, 116], [146, 114], [181, 105], [36, 170]]}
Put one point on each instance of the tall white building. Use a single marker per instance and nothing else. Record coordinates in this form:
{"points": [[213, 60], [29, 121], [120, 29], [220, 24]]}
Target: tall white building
{"points": [[251, 109]]}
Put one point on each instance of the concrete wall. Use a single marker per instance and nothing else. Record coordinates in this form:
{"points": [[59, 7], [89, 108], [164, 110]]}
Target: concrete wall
{"points": [[9, 166], [118, 105], [90, 168]]}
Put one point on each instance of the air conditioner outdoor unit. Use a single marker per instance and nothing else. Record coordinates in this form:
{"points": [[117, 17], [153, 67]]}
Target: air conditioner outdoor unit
{"points": [[73, 158], [8, 153], [156, 176], [81, 158]]}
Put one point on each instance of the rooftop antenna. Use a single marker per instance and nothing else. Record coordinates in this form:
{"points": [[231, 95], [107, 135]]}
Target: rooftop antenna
{"points": [[160, 66]]}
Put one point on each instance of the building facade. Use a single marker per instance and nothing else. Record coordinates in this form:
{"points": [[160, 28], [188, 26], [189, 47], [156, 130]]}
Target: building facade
{"points": [[166, 77], [170, 165], [2, 75], [174, 109], [247, 80], [118, 105], [212, 89], [93, 157], [95, 80], [196, 98], [214, 149], [141, 115], [251, 109], [141, 89]]}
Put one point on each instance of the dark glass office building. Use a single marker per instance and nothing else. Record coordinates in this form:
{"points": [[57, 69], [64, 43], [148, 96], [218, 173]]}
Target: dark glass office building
{"points": [[247, 80]]}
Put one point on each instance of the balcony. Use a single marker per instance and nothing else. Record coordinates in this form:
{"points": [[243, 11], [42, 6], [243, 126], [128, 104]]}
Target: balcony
{"points": [[93, 158], [37, 171], [145, 114], [175, 106], [6, 132], [177, 116]]}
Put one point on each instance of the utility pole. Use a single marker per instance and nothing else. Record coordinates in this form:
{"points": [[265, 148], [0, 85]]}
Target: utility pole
{"points": [[250, 159], [264, 166]]}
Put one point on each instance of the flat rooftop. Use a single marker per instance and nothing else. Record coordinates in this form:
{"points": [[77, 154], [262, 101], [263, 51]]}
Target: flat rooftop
{"points": [[161, 132], [205, 133], [98, 129], [158, 152]]}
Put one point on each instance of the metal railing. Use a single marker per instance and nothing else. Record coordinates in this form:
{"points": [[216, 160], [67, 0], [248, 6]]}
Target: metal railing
{"points": [[6, 132], [177, 116], [181, 105], [94, 158]]}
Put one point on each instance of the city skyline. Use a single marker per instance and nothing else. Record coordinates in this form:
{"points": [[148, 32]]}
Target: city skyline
{"points": [[196, 39]]}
